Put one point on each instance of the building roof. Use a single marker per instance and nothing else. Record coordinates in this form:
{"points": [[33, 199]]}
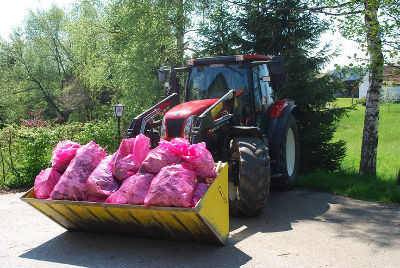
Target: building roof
{"points": [[391, 75]]}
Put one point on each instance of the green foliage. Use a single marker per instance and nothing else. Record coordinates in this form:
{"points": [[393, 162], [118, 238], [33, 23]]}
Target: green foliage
{"points": [[374, 24], [76, 64], [219, 31], [283, 28], [351, 21], [350, 184], [24, 152], [91, 93], [388, 153], [346, 181], [36, 66], [104, 134], [179, 13], [141, 42]]}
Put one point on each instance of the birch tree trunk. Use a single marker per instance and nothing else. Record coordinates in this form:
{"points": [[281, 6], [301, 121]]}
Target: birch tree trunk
{"points": [[180, 29], [371, 119]]}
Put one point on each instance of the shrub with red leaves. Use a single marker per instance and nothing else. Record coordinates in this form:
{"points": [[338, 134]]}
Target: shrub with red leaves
{"points": [[36, 120]]}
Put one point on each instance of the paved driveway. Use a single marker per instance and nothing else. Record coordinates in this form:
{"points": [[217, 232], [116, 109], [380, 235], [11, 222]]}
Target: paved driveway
{"points": [[299, 228]]}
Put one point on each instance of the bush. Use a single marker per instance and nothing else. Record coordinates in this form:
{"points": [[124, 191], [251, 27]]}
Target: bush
{"points": [[24, 151]]}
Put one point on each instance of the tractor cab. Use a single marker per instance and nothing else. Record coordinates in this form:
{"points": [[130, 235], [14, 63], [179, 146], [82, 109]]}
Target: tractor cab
{"points": [[253, 78]]}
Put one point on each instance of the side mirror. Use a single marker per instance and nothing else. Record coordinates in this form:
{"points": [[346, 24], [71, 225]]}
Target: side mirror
{"points": [[162, 74], [276, 66], [277, 72]]}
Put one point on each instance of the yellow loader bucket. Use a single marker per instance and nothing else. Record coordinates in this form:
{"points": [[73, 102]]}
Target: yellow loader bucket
{"points": [[207, 222]]}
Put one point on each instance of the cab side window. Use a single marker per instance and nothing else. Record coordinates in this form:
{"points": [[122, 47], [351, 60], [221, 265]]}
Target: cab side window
{"points": [[257, 89], [266, 89], [262, 94]]}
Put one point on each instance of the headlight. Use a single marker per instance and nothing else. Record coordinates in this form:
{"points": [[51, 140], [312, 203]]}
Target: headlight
{"points": [[163, 129], [188, 126]]}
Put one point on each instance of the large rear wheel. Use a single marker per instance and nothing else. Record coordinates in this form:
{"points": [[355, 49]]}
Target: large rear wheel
{"points": [[249, 176]]}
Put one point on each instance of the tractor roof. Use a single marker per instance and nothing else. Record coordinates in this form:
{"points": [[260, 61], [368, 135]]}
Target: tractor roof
{"points": [[225, 59]]}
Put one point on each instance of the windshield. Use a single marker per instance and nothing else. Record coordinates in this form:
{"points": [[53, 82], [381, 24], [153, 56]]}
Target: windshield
{"points": [[214, 81]]}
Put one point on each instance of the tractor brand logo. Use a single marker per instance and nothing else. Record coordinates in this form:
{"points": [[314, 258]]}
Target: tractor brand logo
{"points": [[222, 194], [216, 109], [177, 114]]}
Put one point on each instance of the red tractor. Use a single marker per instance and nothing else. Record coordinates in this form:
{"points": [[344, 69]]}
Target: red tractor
{"points": [[229, 103]]}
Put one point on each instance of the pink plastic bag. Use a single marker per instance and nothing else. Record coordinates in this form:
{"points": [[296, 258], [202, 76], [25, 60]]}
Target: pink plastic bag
{"points": [[72, 184], [180, 145], [45, 182], [173, 186], [101, 182], [166, 153], [63, 153], [133, 190], [198, 194], [200, 160], [130, 156]]}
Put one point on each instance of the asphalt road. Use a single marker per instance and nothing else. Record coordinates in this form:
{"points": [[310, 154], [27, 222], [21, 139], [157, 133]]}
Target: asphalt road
{"points": [[299, 228]]}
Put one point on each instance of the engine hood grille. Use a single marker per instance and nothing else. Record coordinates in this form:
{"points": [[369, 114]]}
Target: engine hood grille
{"points": [[174, 127]]}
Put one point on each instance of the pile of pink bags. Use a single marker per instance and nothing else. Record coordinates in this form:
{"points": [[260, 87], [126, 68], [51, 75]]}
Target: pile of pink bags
{"points": [[130, 156], [101, 182], [133, 190], [173, 186], [173, 174], [72, 184]]}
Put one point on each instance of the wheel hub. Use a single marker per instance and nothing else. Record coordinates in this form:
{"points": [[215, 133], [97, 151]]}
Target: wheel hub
{"points": [[290, 152], [232, 191]]}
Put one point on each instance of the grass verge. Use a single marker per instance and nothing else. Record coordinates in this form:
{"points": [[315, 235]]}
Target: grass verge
{"points": [[346, 181], [352, 185]]}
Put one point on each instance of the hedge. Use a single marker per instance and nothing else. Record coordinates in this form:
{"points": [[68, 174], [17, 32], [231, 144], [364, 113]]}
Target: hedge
{"points": [[24, 152]]}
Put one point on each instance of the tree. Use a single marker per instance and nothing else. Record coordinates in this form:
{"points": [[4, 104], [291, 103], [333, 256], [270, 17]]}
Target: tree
{"points": [[179, 18], [37, 63], [89, 38], [75, 64], [218, 30], [141, 41], [282, 28], [373, 24]]}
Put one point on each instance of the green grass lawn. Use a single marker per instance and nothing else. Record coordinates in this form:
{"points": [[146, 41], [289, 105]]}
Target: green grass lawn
{"points": [[346, 181]]}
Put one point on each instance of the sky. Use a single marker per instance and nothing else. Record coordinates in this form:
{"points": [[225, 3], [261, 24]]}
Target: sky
{"points": [[346, 48], [12, 14]]}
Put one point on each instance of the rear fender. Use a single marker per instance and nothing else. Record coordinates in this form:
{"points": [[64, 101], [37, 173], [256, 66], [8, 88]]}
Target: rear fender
{"points": [[276, 127]]}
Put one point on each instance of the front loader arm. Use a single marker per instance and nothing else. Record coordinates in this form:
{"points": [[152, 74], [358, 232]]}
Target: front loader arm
{"points": [[207, 120], [139, 123]]}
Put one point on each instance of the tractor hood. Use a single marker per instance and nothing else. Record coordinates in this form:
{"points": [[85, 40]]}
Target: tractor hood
{"points": [[184, 110], [175, 119]]}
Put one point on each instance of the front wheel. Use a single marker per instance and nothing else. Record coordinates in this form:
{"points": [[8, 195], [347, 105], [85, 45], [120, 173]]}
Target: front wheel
{"points": [[249, 176], [289, 155]]}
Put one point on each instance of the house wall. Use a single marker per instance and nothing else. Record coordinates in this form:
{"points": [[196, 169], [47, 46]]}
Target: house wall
{"points": [[395, 92], [363, 88]]}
